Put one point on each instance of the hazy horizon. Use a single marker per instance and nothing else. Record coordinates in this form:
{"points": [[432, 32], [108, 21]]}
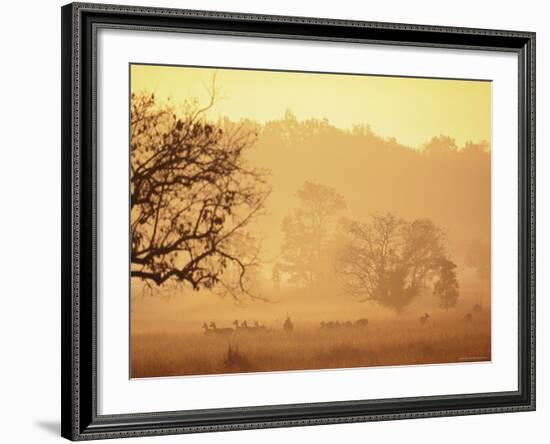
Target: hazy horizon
{"points": [[410, 111], [324, 159]]}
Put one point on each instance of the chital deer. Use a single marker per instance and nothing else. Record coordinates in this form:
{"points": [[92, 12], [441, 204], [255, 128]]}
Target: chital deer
{"points": [[363, 322], [477, 308], [259, 327], [220, 331], [207, 331], [288, 326], [424, 318]]}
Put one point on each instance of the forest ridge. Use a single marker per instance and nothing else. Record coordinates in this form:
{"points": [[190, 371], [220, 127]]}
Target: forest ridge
{"points": [[256, 173]]}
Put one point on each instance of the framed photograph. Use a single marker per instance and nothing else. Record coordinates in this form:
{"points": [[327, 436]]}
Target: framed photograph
{"points": [[282, 221]]}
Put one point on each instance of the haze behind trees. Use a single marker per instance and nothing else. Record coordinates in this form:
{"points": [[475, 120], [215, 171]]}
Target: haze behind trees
{"points": [[361, 177]]}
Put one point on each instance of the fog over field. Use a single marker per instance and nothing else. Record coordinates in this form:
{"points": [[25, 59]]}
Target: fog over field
{"points": [[290, 242]]}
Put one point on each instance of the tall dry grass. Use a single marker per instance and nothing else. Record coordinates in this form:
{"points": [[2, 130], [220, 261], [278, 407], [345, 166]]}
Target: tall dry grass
{"points": [[385, 342]]}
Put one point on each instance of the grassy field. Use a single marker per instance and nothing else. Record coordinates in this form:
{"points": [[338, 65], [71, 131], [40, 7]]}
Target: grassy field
{"points": [[396, 342]]}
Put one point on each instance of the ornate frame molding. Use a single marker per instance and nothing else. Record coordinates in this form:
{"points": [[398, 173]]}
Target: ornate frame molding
{"points": [[80, 420]]}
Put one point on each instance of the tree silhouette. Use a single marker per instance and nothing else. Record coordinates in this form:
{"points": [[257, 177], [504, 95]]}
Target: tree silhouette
{"points": [[446, 287], [307, 232], [192, 197], [440, 146], [389, 261]]}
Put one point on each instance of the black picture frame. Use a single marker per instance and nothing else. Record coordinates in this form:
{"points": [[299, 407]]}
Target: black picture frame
{"points": [[80, 420]]}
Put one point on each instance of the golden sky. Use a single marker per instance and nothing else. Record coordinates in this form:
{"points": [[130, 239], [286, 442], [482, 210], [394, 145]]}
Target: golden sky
{"points": [[413, 110]]}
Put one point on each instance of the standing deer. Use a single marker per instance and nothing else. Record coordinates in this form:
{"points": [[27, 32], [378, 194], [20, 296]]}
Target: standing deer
{"points": [[424, 318], [288, 326], [207, 331], [259, 327], [477, 308], [245, 327], [220, 331]]}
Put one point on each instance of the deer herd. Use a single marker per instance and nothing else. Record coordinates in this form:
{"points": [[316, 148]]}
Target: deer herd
{"points": [[468, 317], [211, 329], [330, 325]]}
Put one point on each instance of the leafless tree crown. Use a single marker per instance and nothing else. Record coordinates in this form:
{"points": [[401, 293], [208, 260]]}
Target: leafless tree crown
{"points": [[192, 197], [389, 261]]}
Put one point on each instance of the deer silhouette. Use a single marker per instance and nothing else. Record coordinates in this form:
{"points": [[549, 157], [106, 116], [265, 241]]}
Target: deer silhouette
{"points": [[288, 326], [259, 327], [207, 331], [477, 308], [220, 331], [326, 325], [363, 322]]}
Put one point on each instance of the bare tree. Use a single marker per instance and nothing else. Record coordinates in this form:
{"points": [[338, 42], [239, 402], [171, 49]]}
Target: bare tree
{"points": [[389, 261], [192, 197], [307, 232]]}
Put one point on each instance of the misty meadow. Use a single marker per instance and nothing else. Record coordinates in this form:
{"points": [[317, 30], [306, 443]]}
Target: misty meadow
{"points": [[282, 242]]}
